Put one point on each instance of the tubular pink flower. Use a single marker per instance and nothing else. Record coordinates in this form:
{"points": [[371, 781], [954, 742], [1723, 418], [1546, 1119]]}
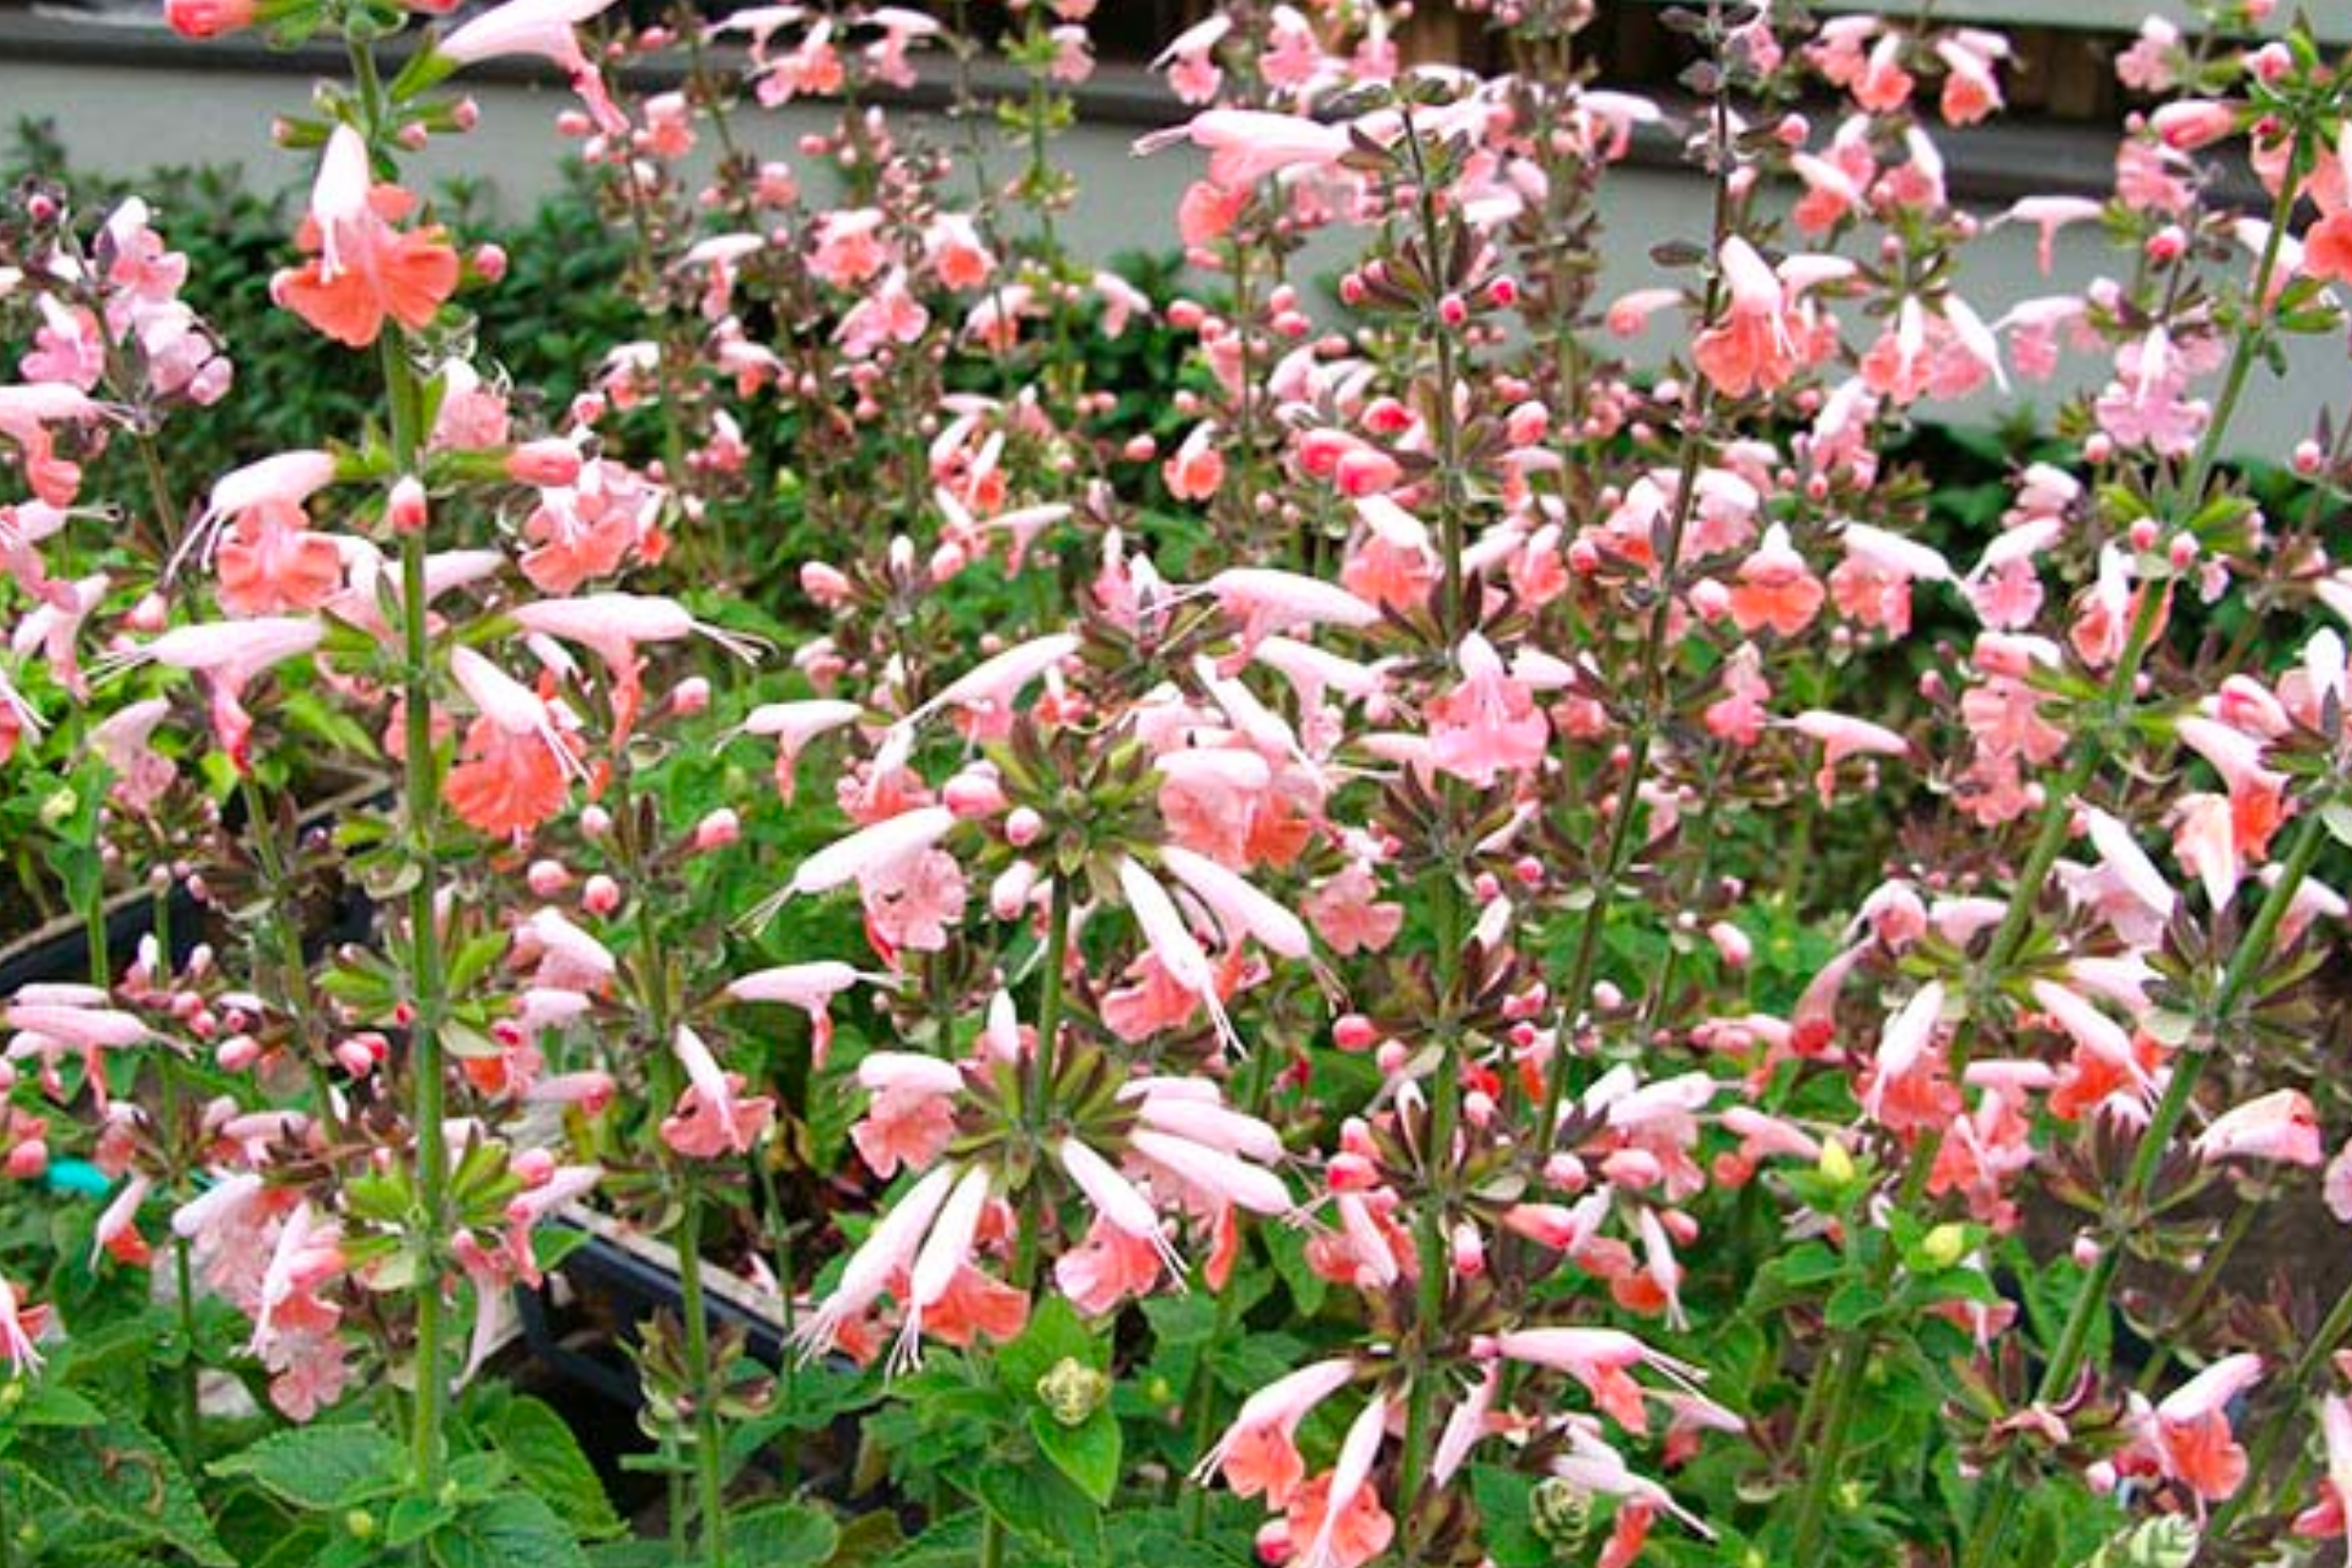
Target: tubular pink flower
{"points": [[1172, 943], [943, 1254], [809, 988], [1226, 1177], [512, 706], [2278, 1126], [1246, 146], [546, 29], [995, 682], [1904, 1043], [904, 1072], [1116, 1200], [890, 1247], [1239, 906], [885, 844], [1276, 1409], [1349, 1473]]}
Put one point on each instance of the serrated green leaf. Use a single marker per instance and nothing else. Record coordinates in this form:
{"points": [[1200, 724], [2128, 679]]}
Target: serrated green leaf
{"points": [[784, 1535], [1089, 1453], [320, 1467], [518, 1531], [545, 1458]]}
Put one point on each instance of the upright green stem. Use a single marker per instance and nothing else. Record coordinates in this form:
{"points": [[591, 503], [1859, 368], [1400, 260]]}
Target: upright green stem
{"points": [[1988, 1540], [1035, 1099], [1655, 666], [189, 1431], [2129, 1208]]}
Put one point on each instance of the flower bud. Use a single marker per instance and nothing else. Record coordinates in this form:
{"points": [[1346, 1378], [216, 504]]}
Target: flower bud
{"points": [[405, 510], [600, 896], [717, 831], [1945, 1246], [1072, 1391], [1023, 826], [551, 464]]}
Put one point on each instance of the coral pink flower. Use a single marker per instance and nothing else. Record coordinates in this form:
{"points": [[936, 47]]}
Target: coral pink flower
{"points": [[229, 655], [1258, 1452], [809, 988], [362, 268], [2327, 249], [885, 1253], [2279, 1126], [21, 1328], [1601, 1360], [209, 18], [712, 1118], [1488, 724], [547, 29], [1840, 737], [1196, 470], [271, 564], [2186, 1438], [1750, 349], [1776, 588], [2331, 1516], [518, 758], [1246, 146], [1346, 913]]}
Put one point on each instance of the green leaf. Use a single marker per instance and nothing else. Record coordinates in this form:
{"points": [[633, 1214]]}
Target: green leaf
{"points": [[520, 1531], [786, 1535], [125, 1485], [53, 1405], [547, 1459], [1089, 1453], [316, 1467], [1853, 1305], [1055, 1332]]}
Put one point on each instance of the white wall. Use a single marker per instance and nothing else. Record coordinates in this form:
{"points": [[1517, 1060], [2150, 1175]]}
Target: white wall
{"points": [[126, 120]]}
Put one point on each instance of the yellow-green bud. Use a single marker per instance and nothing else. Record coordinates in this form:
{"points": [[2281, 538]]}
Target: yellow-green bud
{"points": [[1944, 1245], [360, 1523], [1072, 1391], [58, 809], [1837, 1166]]}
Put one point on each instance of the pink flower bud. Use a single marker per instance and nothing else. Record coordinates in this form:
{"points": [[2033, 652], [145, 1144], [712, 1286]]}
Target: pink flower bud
{"points": [[2142, 534], [548, 878], [1606, 997], [717, 831], [828, 586], [405, 510], [2308, 458], [355, 1057], [236, 1053], [1355, 1033], [489, 263], [1453, 310], [151, 614], [533, 1166], [29, 1159], [1022, 827], [551, 464], [1391, 1056], [600, 896], [595, 822], [690, 696], [2192, 123], [1731, 944], [972, 795]]}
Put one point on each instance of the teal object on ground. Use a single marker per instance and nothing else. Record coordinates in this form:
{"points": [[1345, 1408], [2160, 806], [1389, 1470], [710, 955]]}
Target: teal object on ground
{"points": [[79, 1177]]}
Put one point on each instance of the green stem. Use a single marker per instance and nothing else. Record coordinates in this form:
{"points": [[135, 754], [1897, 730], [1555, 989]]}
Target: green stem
{"points": [[184, 1271], [1989, 1536], [1034, 1107], [2130, 1207], [708, 1458]]}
